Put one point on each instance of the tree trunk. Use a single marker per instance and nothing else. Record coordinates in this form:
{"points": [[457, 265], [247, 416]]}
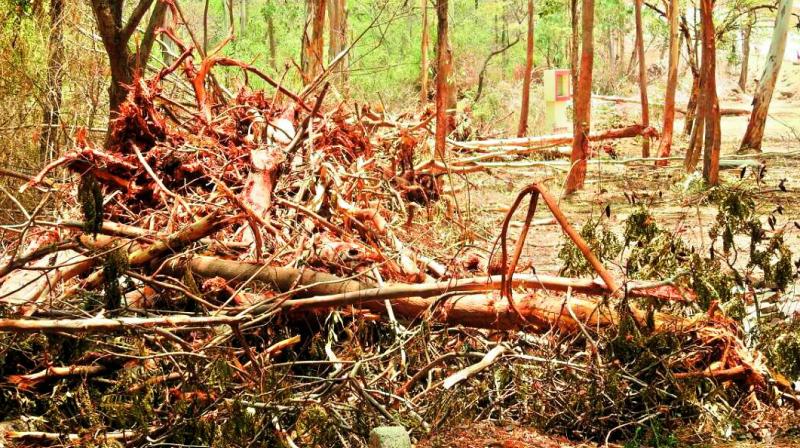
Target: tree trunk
{"points": [[706, 132], [746, 30], [48, 143], [273, 50], [116, 35], [712, 118], [443, 83], [313, 39], [582, 101], [526, 82], [242, 16], [157, 20], [642, 75], [766, 85], [574, 42], [424, 68], [691, 106], [665, 148], [337, 18]]}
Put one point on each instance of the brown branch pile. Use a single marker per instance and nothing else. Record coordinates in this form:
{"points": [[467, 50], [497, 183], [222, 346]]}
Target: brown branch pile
{"points": [[235, 269]]}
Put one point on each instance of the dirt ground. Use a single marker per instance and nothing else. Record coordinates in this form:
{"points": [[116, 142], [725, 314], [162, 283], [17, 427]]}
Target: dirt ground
{"points": [[482, 204]]}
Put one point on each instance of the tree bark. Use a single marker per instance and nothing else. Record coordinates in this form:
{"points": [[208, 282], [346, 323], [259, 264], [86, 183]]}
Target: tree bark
{"points": [[691, 55], [526, 82], [691, 106], [746, 30], [313, 39], [574, 42], [242, 16], [337, 18], [754, 134], [116, 34], [273, 49], [48, 142], [424, 65], [665, 148], [706, 132], [443, 82], [642, 75], [712, 118], [582, 101]]}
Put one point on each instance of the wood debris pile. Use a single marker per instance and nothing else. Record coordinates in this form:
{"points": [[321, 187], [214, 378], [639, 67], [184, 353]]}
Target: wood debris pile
{"points": [[238, 270]]}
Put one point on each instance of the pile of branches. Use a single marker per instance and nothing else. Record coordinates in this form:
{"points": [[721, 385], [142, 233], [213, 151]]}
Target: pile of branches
{"points": [[242, 271]]}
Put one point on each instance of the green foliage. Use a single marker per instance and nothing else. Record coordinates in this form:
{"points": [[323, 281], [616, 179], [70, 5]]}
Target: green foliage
{"points": [[737, 215], [654, 435], [781, 344], [601, 240], [654, 253]]}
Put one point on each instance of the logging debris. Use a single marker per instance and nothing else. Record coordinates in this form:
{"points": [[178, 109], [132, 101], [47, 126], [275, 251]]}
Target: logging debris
{"points": [[253, 253]]}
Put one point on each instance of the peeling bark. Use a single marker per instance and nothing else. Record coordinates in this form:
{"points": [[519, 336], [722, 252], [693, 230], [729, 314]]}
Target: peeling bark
{"points": [[665, 148], [754, 134], [582, 102]]}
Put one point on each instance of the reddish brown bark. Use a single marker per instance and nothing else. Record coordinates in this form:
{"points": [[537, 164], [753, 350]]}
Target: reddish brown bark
{"points": [[712, 119], [582, 101], [443, 69], [665, 148], [706, 133], [337, 26], [642, 75], [313, 39], [424, 68], [526, 82]]}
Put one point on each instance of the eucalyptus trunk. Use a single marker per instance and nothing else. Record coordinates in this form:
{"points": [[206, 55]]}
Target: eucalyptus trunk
{"points": [[754, 134], [582, 101]]}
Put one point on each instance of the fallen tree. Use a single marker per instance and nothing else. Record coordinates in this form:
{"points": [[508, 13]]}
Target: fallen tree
{"points": [[225, 260], [543, 141], [725, 111]]}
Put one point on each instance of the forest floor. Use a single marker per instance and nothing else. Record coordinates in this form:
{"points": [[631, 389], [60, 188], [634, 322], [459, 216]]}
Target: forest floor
{"points": [[481, 205]]}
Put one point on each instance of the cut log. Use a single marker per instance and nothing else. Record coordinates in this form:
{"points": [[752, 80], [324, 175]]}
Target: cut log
{"points": [[101, 325]]}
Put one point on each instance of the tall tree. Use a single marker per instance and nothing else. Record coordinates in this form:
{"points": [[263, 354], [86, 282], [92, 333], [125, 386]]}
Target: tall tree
{"points": [[313, 39], [337, 41], [706, 132], [754, 134], [444, 62], [242, 16], [642, 75], [582, 101], [116, 35], [424, 64], [526, 81], [712, 139], [574, 47], [269, 14], [48, 143], [665, 148], [747, 28]]}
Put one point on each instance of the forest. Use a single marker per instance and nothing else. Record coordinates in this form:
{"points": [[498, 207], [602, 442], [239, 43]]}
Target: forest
{"points": [[400, 223]]}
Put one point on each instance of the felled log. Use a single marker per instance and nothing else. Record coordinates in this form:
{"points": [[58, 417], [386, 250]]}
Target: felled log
{"points": [[730, 111], [631, 131], [101, 325]]}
